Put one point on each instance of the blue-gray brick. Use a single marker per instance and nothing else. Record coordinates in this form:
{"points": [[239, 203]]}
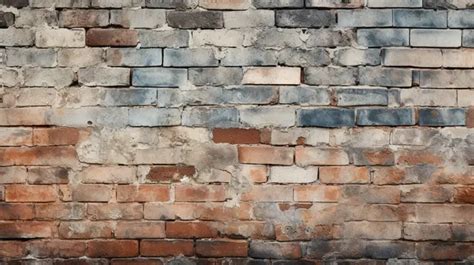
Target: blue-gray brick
{"points": [[385, 117], [303, 57], [330, 76], [468, 38], [420, 18], [461, 18], [307, 18], [190, 57], [159, 77], [216, 76], [383, 37], [211, 117], [361, 97], [389, 77], [305, 95], [129, 97], [326, 117], [248, 56], [364, 18], [154, 117], [442, 117], [134, 57]]}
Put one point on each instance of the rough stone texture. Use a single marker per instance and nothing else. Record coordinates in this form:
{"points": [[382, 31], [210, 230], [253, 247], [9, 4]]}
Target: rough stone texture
{"points": [[245, 132]]}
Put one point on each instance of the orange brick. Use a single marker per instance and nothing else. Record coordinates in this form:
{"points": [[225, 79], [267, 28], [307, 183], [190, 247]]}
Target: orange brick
{"points": [[191, 230], [268, 193], [12, 230], [464, 195], [221, 248], [12, 249], [236, 136], [342, 175], [30, 193], [167, 174], [142, 193], [193, 193], [415, 157], [16, 211], [92, 193], [112, 249], [55, 136], [39, 156], [266, 155], [165, 248], [317, 193]]}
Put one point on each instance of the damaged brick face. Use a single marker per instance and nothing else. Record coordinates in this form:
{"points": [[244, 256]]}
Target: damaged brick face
{"points": [[237, 132]]}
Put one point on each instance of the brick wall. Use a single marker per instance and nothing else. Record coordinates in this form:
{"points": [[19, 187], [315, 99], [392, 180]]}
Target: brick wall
{"points": [[237, 132]]}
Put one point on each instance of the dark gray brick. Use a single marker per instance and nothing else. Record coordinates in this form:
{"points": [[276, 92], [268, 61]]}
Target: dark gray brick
{"points": [[329, 38], [6, 19], [211, 117], [278, 3], [384, 116], [442, 117], [215, 76], [308, 18], [303, 57], [441, 4], [179, 4], [325, 117], [420, 18], [195, 19], [360, 97], [383, 37], [15, 3], [190, 57]]}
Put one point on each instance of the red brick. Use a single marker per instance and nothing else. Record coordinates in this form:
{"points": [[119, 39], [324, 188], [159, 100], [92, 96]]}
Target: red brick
{"points": [[266, 155], [143, 193], [221, 248], [165, 248], [138, 261], [416, 157], [26, 229], [115, 249], [12, 249], [111, 37], [388, 175], [57, 248], [55, 136], [16, 211], [444, 250], [270, 193], [116, 211], [317, 193], [167, 174], [39, 156], [191, 230], [30, 193], [372, 157], [92, 193], [464, 195], [342, 175], [236, 136], [470, 118], [194, 193], [86, 229], [140, 230], [248, 229], [221, 212]]}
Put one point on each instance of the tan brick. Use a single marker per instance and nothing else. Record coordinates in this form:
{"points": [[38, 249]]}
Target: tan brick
{"points": [[343, 175], [305, 156], [265, 155], [276, 76]]}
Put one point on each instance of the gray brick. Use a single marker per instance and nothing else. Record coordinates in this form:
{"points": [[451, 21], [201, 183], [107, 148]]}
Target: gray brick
{"points": [[154, 117], [391, 3], [129, 97], [138, 18], [383, 37], [58, 3], [330, 76], [159, 77], [223, 37], [80, 57], [326, 117], [211, 117], [387, 117], [335, 3], [468, 38], [83, 18], [216, 76], [181, 4], [16, 37], [278, 38], [428, 97], [442, 117], [31, 57], [190, 57], [447, 78], [303, 57], [361, 97], [329, 38], [48, 77], [278, 3], [84, 117], [275, 116], [9, 77], [389, 77], [249, 19], [461, 18], [134, 57], [117, 3], [6, 19], [364, 18], [195, 19], [435, 38], [420, 18], [15, 3], [354, 57], [36, 18], [305, 95], [447, 4], [248, 56], [308, 18], [165, 38], [104, 76]]}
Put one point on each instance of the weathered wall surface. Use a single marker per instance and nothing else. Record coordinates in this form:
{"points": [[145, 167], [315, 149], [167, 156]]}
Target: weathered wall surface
{"points": [[236, 132]]}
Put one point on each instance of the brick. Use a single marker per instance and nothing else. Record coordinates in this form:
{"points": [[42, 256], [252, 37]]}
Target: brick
{"points": [[468, 38], [60, 3], [371, 230], [211, 117], [372, 195], [236, 136], [116, 3], [190, 230], [107, 174], [30, 193], [139, 229], [254, 173], [92, 193], [334, 3], [82, 117], [325, 117], [55, 136], [391, 4], [460, 19], [305, 156], [364, 18], [138, 18], [391, 77], [273, 38], [330, 76], [265, 155], [458, 58], [36, 97], [167, 174], [126, 97], [104, 76], [85, 230], [142, 193], [38, 156], [413, 57], [164, 248], [83, 18], [425, 194], [317, 193], [420, 18], [16, 37], [248, 56], [307, 18], [304, 95], [60, 38], [435, 38], [383, 37], [197, 19], [116, 248], [361, 96], [48, 77], [275, 250], [60, 211], [200, 193], [173, 4], [418, 158], [446, 78], [274, 116], [189, 57], [12, 249], [385, 117], [15, 136], [165, 38], [268, 193], [31, 57], [329, 38], [449, 4], [293, 174], [111, 37], [249, 19], [221, 248], [408, 136], [343, 175], [36, 18], [154, 117], [428, 97], [464, 195], [9, 77], [355, 57], [80, 57], [134, 57], [24, 116], [277, 76], [295, 136], [158, 77], [303, 57], [14, 3], [442, 117], [59, 248], [375, 156], [443, 250], [470, 118], [226, 4], [26, 230], [277, 3], [414, 231], [215, 76]]}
